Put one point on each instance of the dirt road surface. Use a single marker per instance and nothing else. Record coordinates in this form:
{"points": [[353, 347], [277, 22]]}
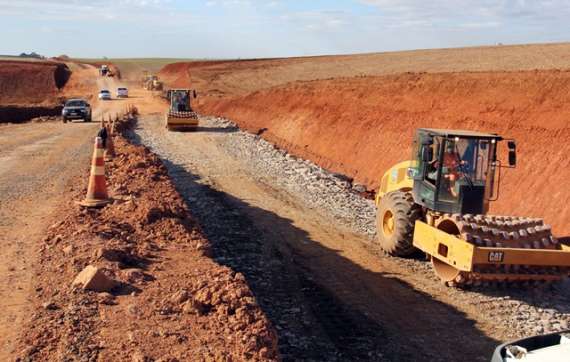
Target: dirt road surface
{"points": [[37, 160], [326, 290], [355, 300]]}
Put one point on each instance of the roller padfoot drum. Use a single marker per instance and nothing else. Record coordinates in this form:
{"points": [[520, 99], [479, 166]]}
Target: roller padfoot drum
{"points": [[182, 120], [499, 232]]}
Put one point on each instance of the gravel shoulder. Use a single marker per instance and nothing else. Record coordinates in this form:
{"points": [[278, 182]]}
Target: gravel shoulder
{"points": [[294, 229]]}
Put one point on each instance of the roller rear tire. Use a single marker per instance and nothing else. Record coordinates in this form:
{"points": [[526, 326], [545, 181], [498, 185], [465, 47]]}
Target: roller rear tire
{"points": [[395, 220]]}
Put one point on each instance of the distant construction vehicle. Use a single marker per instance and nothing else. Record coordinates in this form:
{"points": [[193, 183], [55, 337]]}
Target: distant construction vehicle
{"points": [[105, 71], [437, 203], [180, 113], [151, 82]]}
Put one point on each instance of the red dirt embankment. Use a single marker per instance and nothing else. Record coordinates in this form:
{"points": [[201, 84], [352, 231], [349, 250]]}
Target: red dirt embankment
{"points": [[27, 83], [240, 77], [178, 75], [31, 89], [362, 126]]}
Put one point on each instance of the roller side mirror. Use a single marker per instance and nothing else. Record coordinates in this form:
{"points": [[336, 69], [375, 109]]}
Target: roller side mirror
{"points": [[427, 154], [512, 153]]}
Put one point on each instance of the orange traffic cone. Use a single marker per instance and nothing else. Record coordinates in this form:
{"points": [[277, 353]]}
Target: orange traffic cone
{"points": [[97, 190]]}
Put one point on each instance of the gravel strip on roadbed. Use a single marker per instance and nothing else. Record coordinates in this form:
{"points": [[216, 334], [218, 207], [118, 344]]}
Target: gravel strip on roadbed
{"points": [[522, 311], [318, 188], [311, 324]]}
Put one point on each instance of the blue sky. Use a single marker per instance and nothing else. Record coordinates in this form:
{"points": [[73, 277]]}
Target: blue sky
{"points": [[258, 28]]}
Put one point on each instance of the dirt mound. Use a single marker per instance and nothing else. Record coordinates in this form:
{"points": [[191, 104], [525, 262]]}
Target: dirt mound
{"points": [[176, 75], [362, 126], [25, 83], [171, 300]]}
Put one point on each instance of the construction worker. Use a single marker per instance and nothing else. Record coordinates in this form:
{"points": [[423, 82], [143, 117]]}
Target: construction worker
{"points": [[452, 167], [103, 134], [183, 103]]}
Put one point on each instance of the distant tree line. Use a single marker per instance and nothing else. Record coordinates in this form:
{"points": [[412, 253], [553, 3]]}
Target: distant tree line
{"points": [[31, 55]]}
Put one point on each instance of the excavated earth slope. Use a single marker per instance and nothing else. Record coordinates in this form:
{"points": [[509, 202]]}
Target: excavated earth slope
{"points": [[29, 89], [361, 126], [240, 77], [24, 83]]}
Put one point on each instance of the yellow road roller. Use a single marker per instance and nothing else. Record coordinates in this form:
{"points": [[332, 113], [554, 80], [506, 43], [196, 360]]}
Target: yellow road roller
{"points": [[438, 203], [180, 114]]}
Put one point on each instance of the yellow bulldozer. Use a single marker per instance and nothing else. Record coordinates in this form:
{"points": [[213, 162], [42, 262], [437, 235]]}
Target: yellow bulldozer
{"points": [[437, 203], [151, 82], [180, 113]]}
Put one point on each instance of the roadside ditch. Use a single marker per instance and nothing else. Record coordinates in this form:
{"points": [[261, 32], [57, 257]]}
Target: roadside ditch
{"points": [[19, 114]]}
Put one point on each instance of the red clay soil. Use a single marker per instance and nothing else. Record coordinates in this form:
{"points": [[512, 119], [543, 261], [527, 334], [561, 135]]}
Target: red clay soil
{"points": [[240, 77], [362, 126], [31, 83], [178, 75], [172, 301]]}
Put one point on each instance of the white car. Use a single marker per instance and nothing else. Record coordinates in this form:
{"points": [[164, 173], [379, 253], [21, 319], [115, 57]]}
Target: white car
{"points": [[122, 92], [105, 95], [552, 347]]}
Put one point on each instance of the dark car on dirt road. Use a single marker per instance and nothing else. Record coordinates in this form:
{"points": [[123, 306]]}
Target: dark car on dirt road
{"points": [[76, 109]]}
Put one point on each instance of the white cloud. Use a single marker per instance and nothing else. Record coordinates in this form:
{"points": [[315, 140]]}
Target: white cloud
{"points": [[80, 9], [243, 3], [480, 25], [325, 20], [464, 13], [248, 28], [229, 3]]}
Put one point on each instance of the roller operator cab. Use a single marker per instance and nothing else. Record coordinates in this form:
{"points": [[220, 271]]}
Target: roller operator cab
{"points": [[454, 171], [438, 200]]}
